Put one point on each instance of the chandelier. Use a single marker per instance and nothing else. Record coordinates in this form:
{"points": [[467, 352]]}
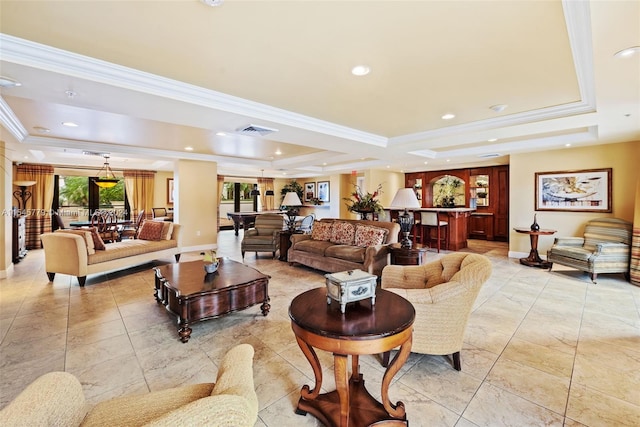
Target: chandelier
{"points": [[106, 178]]}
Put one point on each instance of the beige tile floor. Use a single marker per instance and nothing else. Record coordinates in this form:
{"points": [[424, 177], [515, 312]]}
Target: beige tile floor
{"points": [[541, 348]]}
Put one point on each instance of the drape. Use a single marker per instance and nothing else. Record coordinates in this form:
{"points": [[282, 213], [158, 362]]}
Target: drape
{"points": [[265, 184], [38, 208], [220, 189], [635, 240], [139, 185]]}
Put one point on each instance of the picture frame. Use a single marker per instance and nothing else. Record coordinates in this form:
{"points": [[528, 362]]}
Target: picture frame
{"points": [[587, 190], [309, 191], [170, 190], [323, 191]]}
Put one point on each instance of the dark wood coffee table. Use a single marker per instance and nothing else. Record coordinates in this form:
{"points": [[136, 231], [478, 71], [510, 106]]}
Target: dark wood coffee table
{"points": [[193, 295], [363, 329]]}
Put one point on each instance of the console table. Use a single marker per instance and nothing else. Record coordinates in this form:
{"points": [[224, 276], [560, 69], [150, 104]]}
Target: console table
{"points": [[359, 330]]}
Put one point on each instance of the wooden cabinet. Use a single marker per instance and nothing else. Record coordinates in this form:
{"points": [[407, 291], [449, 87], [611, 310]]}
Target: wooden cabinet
{"points": [[501, 210], [481, 226], [19, 244]]}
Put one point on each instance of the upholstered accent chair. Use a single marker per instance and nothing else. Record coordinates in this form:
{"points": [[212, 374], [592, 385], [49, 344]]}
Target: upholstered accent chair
{"points": [[604, 248], [443, 293], [264, 236], [56, 399]]}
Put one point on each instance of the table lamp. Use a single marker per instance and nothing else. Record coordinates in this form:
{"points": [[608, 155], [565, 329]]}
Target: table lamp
{"points": [[291, 202], [405, 198]]}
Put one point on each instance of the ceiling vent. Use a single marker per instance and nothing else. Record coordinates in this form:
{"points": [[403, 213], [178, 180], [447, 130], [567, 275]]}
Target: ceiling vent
{"points": [[489, 155], [255, 130], [94, 153]]}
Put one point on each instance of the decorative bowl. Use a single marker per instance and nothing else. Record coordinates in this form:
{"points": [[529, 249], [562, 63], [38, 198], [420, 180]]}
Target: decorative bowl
{"points": [[211, 267]]}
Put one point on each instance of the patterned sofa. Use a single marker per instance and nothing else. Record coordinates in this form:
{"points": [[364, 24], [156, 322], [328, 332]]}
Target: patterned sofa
{"points": [[605, 248], [345, 244]]}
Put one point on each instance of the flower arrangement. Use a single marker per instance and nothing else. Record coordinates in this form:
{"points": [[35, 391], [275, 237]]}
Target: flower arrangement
{"points": [[364, 203], [211, 261], [316, 201]]}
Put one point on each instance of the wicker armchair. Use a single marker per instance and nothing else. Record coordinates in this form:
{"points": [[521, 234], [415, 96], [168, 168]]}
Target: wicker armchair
{"points": [[605, 248], [264, 237], [443, 293]]}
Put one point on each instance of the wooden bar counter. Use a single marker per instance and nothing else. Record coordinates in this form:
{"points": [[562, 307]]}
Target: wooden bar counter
{"points": [[458, 219]]}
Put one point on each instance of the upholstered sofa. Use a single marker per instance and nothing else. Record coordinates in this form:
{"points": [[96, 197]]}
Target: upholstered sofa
{"points": [[344, 244], [57, 399], [78, 252]]}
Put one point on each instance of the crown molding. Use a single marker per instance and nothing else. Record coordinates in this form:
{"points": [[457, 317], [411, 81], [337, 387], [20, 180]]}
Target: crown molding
{"points": [[10, 122]]}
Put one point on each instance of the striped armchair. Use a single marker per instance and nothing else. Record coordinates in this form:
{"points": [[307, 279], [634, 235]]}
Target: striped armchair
{"points": [[605, 248], [443, 293]]}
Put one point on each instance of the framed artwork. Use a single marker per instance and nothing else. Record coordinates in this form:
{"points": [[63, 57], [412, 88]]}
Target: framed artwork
{"points": [[574, 191], [169, 190], [323, 191], [309, 191]]}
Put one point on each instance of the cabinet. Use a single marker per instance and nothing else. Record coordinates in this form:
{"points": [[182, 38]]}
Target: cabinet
{"points": [[479, 189], [19, 244]]}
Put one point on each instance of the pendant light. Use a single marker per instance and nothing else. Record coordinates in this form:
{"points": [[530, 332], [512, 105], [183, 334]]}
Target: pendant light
{"points": [[106, 178]]}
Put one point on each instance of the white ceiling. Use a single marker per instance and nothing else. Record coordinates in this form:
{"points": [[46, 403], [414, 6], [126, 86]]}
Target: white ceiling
{"points": [[151, 78]]}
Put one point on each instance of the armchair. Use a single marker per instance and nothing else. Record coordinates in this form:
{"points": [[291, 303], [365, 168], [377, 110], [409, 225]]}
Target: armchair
{"points": [[264, 236], [604, 248], [56, 399], [442, 293]]}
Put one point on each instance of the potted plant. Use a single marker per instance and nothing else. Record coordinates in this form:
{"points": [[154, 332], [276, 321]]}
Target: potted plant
{"points": [[364, 204]]}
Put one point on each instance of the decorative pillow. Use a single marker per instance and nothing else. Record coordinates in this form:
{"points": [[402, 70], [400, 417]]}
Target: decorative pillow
{"points": [[88, 239], [167, 230], [321, 231], [151, 230], [98, 243], [368, 235], [342, 233]]}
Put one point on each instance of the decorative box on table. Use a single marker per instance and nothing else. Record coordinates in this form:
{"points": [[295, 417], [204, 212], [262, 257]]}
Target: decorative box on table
{"points": [[349, 286]]}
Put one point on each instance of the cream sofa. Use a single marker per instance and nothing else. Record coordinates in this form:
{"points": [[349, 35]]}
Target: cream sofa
{"points": [[337, 252], [68, 253], [57, 399]]}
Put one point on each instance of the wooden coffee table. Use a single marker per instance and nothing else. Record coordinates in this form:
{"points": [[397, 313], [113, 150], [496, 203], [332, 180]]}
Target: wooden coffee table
{"points": [[363, 329], [193, 295]]}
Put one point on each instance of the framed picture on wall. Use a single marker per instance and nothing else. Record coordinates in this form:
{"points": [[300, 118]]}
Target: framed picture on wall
{"points": [[574, 191], [309, 191], [323, 191], [170, 190]]}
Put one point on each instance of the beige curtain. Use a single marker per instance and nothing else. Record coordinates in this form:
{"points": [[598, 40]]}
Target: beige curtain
{"points": [[38, 208], [265, 184], [139, 185], [220, 188], [635, 241]]}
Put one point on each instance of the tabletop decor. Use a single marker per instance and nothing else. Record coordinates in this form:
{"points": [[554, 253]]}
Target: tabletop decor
{"points": [[211, 262], [364, 203]]}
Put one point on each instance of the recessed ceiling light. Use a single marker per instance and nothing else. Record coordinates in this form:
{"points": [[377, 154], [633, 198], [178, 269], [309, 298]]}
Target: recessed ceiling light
{"points": [[212, 3], [426, 163], [492, 139], [625, 53], [360, 70], [567, 145], [324, 164], [448, 160], [278, 152], [189, 148], [70, 94], [221, 134], [41, 129], [388, 166], [7, 82], [448, 116], [70, 124], [499, 108]]}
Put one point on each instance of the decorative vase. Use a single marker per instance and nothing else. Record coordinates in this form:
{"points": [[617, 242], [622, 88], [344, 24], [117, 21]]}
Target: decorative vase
{"points": [[535, 226], [211, 267]]}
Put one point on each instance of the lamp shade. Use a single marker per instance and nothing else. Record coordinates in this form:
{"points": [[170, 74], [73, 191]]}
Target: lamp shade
{"points": [[405, 198], [269, 193], [24, 183], [291, 199]]}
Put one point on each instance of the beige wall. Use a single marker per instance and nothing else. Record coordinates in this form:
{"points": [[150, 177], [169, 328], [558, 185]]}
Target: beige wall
{"points": [[160, 190], [623, 158]]}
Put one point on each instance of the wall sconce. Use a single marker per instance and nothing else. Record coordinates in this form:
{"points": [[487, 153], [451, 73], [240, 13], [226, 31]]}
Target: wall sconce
{"points": [[22, 195]]}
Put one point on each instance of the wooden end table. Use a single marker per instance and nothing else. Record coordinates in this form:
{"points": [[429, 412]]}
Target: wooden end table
{"points": [[193, 295], [534, 260], [416, 255], [363, 329]]}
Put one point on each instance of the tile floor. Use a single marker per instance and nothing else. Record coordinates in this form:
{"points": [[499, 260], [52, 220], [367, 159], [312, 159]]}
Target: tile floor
{"points": [[541, 348]]}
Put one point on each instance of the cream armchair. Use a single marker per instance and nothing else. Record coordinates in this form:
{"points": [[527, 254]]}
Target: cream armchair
{"points": [[605, 248], [264, 236], [442, 293], [56, 399]]}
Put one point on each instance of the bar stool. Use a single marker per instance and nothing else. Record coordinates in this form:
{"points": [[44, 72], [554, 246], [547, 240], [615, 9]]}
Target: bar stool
{"points": [[429, 220]]}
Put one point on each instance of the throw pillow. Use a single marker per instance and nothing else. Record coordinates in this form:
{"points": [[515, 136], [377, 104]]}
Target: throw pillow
{"points": [[98, 243], [342, 233], [151, 230], [86, 235], [167, 230], [321, 231], [368, 235]]}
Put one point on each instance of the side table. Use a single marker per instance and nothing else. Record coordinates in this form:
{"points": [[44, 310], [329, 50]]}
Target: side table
{"points": [[417, 255], [285, 244], [534, 260]]}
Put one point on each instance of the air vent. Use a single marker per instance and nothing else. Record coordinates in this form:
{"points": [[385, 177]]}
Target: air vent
{"points": [[94, 153], [255, 130], [489, 155]]}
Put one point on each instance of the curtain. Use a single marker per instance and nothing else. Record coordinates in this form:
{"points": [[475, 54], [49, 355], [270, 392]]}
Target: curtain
{"points": [[635, 240], [220, 189], [265, 184], [139, 185], [38, 208]]}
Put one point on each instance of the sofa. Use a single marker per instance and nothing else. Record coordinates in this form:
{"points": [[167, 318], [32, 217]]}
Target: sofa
{"points": [[80, 252], [345, 244], [57, 399]]}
